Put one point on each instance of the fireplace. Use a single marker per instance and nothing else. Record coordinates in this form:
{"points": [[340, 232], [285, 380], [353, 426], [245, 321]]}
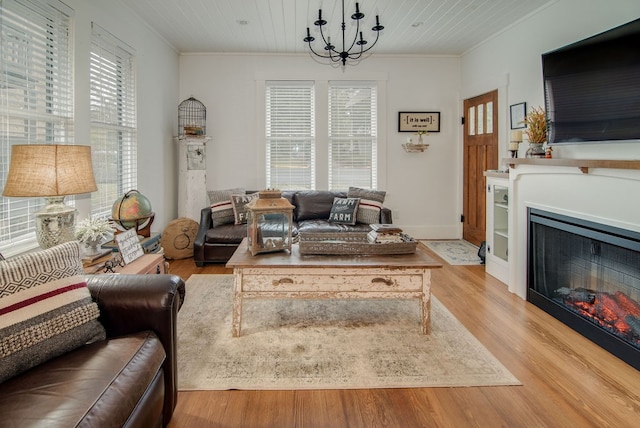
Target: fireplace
{"points": [[587, 275]]}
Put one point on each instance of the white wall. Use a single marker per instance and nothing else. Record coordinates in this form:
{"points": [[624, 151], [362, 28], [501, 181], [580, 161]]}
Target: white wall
{"points": [[157, 93], [422, 188], [516, 54], [602, 195]]}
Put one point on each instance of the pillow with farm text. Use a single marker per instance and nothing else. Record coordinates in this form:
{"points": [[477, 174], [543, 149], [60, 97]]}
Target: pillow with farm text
{"points": [[344, 211], [46, 309], [240, 203]]}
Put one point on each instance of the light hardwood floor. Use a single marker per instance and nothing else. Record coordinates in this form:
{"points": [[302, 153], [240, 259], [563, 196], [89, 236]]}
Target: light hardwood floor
{"points": [[567, 380]]}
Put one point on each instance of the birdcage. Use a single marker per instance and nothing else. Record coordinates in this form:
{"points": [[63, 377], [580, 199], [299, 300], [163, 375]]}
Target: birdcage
{"points": [[192, 117]]}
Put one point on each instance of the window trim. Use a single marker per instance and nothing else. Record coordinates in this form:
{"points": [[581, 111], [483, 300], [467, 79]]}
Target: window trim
{"points": [[351, 85], [60, 17], [307, 140], [125, 124], [322, 111]]}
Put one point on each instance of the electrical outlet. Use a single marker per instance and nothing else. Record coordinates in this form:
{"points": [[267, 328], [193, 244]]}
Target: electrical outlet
{"points": [[396, 215]]}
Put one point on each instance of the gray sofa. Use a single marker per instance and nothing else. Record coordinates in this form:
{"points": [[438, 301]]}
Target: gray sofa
{"points": [[310, 215]]}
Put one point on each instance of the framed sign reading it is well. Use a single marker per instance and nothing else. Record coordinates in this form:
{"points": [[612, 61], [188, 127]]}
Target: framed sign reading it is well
{"points": [[414, 121]]}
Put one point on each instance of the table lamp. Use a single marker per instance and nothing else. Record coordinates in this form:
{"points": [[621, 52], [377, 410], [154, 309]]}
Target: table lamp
{"points": [[51, 171]]}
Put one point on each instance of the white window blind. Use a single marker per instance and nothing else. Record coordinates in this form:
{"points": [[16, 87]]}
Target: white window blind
{"points": [[36, 96], [352, 135], [290, 135], [113, 119]]}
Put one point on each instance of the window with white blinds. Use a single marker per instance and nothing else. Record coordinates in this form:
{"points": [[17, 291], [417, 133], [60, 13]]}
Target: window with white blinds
{"points": [[290, 135], [352, 135], [113, 119], [36, 95]]}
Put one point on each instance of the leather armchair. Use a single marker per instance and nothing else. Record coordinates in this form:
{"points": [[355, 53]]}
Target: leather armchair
{"points": [[129, 379]]}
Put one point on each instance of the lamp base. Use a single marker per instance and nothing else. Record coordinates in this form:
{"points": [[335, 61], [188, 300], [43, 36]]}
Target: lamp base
{"points": [[55, 223]]}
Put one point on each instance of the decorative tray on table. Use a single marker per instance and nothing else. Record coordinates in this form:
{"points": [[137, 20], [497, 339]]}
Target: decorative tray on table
{"points": [[337, 245]]}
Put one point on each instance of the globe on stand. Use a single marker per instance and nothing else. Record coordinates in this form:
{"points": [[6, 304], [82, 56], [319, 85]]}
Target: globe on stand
{"points": [[133, 210]]}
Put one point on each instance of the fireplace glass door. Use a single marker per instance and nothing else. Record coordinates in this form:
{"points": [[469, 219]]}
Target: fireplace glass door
{"points": [[587, 275]]}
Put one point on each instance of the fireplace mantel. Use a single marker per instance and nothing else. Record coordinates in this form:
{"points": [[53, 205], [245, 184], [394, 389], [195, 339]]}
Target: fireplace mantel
{"points": [[582, 164], [599, 190]]}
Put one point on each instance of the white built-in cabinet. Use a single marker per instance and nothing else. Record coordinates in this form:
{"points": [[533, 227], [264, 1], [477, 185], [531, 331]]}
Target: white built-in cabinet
{"points": [[497, 255]]}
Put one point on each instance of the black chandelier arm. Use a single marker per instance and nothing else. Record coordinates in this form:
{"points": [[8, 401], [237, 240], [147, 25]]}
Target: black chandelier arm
{"points": [[355, 37], [326, 41], [372, 44], [322, 55]]}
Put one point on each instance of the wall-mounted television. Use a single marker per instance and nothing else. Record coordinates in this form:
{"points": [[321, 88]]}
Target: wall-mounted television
{"points": [[592, 88]]}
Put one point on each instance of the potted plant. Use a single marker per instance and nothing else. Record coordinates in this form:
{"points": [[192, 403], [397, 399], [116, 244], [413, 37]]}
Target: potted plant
{"points": [[92, 231], [536, 131]]}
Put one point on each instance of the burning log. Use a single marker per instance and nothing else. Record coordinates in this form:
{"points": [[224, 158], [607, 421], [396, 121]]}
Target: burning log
{"points": [[577, 294], [629, 305], [616, 312], [611, 313], [634, 324]]}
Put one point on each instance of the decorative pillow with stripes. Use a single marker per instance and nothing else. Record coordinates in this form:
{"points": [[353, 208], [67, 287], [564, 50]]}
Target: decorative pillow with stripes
{"points": [[46, 309], [221, 206], [370, 204]]}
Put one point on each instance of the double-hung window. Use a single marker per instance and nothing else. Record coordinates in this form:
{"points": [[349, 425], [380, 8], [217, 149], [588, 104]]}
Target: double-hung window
{"points": [[113, 119], [290, 135], [36, 96], [347, 143], [352, 135]]}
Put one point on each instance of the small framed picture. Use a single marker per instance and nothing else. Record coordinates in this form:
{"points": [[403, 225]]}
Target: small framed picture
{"points": [[518, 112], [129, 245], [414, 121]]}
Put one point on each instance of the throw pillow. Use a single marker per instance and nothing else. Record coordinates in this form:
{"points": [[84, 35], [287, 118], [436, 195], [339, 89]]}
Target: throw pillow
{"points": [[344, 210], [370, 204], [240, 211], [221, 207], [46, 309]]}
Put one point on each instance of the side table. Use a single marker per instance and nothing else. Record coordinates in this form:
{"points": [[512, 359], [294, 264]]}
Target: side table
{"points": [[146, 264]]}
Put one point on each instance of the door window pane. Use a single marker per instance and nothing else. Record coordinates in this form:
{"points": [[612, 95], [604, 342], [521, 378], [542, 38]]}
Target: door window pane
{"points": [[472, 120]]}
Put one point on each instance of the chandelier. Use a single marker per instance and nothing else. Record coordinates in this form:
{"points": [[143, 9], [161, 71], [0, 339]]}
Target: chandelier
{"points": [[358, 43]]}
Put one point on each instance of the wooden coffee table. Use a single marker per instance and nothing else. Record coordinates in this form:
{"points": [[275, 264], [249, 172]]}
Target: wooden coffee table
{"points": [[285, 275]]}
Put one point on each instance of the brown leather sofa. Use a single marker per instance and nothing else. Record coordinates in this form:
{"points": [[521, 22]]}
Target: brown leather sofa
{"points": [[129, 379], [311, 214]]}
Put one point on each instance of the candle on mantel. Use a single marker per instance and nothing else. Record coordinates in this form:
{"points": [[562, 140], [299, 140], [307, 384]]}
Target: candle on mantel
{"points": [[516, 135]]}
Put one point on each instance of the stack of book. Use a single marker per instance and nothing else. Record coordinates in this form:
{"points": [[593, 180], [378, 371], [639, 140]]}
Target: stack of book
{"points": [[385, 234]]}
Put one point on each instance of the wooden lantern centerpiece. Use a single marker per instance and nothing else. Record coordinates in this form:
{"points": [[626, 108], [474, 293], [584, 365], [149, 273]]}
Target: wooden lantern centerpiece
{"points": [[270, 223]]}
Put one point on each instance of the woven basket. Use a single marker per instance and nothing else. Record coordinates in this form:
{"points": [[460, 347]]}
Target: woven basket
{"points": [[362, 247], [334, 237]]}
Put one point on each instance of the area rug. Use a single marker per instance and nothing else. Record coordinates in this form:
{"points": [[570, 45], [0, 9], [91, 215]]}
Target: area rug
{"points": [[455, 252], [323, 344]]}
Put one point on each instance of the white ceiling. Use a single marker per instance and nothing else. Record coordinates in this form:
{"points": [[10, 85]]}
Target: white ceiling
{"points": [[436, 27]]}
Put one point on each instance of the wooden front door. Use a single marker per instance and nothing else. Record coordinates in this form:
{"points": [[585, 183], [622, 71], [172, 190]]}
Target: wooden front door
{"points": [[480, 154]]}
